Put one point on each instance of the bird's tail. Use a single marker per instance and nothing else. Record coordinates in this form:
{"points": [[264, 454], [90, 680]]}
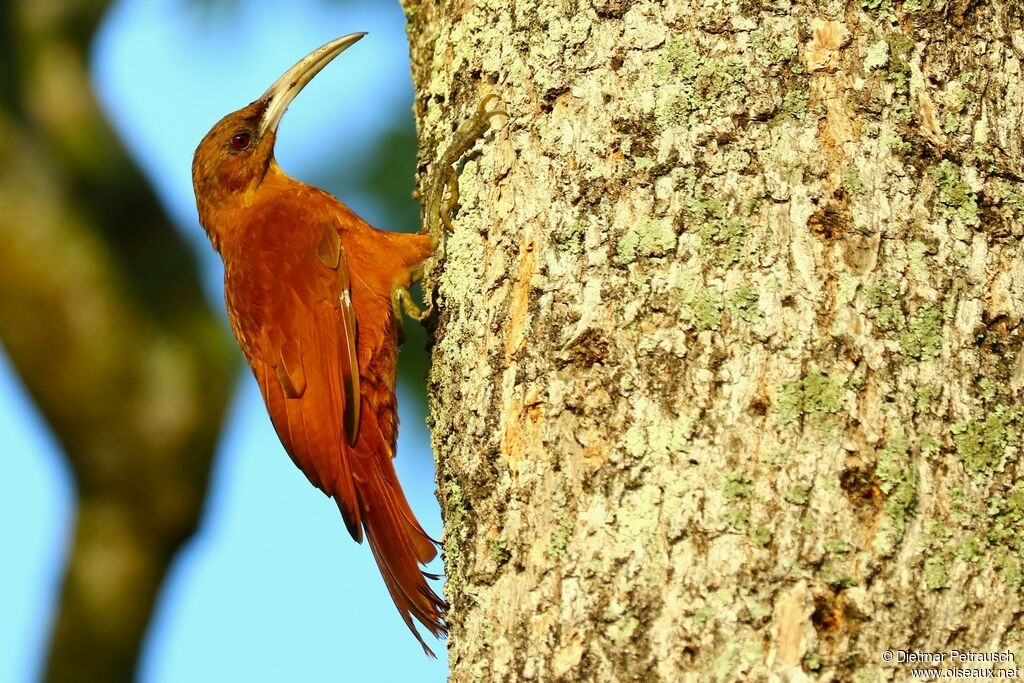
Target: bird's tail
{"points": [[399, 544]]}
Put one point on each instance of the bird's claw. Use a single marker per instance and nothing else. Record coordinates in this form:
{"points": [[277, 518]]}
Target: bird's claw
{"points": [[402, 301]]}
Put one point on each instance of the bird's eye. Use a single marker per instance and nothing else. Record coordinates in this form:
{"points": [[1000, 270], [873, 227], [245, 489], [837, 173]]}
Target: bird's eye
{"points": [[240, 140]]}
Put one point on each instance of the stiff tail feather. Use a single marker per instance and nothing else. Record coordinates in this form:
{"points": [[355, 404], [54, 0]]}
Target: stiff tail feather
{"points": [[400, 546]]}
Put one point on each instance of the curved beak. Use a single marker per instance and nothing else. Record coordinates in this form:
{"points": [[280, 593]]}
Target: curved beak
{"points": [[283, 91]]}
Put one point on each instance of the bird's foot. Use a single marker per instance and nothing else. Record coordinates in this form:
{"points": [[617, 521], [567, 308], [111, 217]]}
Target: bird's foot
{"points": [[445, 176], [402, 301]]}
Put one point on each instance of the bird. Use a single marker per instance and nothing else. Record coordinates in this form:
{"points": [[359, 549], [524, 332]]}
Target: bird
{"points": [[315, 296]]}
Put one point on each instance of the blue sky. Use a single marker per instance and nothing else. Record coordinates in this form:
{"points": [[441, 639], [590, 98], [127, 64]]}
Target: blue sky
{"points": [[272, 588]]}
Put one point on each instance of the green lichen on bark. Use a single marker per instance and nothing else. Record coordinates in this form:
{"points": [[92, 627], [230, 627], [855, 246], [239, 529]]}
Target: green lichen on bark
{"points": [[883, 301], [500, 552], [762, 534], [704, 310], [935, 573], [990, 532], [837, 546], [1012, 201], [455, 515], [798, 494], [1006, 535], [571, 235], [852, 182], [560, 538], [922, 337], [646, 238], [897, 476], [987, 441], [954, 196], [815, 395], [773, 49], [743, 303], [696, 85], [736, 491], [922, 398]]}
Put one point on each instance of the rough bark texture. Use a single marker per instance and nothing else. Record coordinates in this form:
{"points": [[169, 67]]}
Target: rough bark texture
{"points": [[103, 317], [728, 372]]}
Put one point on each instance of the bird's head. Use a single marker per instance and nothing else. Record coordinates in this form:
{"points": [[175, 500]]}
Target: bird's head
{"points": [[233, 158]]}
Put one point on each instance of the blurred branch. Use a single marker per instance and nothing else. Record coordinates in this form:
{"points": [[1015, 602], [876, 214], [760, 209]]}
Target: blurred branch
{"points": [[105, 321]]}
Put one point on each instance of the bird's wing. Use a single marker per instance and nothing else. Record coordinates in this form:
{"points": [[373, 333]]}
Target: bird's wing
{"points": [[308, 373], [331, 253]]}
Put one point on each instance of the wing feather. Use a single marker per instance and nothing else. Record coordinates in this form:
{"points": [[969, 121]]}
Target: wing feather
{"points": [[311, 388], [347, 356], [331, 253]]}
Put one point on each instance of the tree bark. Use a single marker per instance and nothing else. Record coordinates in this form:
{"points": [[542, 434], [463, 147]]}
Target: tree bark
{"points": [[105, 320], [729, 357]]}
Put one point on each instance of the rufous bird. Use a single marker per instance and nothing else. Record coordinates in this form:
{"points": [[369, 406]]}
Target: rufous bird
{"points": [[314, 295]]}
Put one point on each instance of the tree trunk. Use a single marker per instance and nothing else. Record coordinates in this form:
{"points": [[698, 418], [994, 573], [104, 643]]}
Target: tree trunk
{"points": [[729, 357], [105, 320]]}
